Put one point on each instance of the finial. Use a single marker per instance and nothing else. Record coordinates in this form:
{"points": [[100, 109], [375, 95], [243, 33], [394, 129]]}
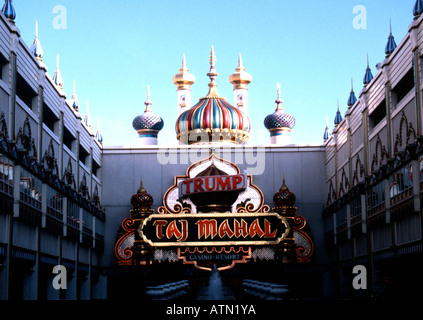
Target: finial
{"points": [[212, 75], [212, 57], [147, 102], [368, 76], [240, 66], [74, 98], [352, 99], [279, 101], [368, 65], [36, 49], [9, 11], [391, 45], [57, 77], [283, 187], [184, 64], [87, 119], [141, 188], [98, 134]]}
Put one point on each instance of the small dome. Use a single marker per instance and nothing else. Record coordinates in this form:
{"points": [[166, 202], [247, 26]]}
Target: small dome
{"points": [[279, 118], [142, 199], [338, 117], [148, 120], [183, 79], [391, 45], [9, 11], [36, 49], [368, 76], [418, 8], [240, 79], [284, 197]]}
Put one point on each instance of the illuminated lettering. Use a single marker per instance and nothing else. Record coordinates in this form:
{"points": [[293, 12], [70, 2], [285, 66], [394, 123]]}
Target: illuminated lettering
{"points": [[223, 185], [255, 229], [225, 229], [159, 224], [173, 231], [207, 228], [241, 229], [267, 228]]}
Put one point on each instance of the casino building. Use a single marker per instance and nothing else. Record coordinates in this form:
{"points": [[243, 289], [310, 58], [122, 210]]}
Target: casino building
{"points": [[272, 225]]}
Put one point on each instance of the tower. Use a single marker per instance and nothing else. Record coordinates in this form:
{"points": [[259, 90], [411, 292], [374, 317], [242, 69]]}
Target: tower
{"points": [[148, 124], [183, 80], [240, 80], [279, 123]]}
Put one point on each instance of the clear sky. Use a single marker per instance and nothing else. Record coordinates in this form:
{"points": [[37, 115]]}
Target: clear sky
{"points": [[114, 49]]}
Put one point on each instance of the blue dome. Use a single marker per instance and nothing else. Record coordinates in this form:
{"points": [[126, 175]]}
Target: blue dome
{"points": [[418, 8], [391, 45], [338, 118], [8, 10], [279, 119], [148, 121], [352, 99]]}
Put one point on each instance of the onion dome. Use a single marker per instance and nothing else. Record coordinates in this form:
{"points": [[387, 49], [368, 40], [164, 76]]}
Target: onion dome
{"points": [[148, 120], [87, 119], [57, 77], [9, 11], [74, 98], [326, 134], [418, 8], [352, 98], [368, 75], [98, 134], [338, 117], [36, 49], [213, 119], [142, 199], [284, 197], [183, 80], [240, 79], [279, 119], [391, 45]]}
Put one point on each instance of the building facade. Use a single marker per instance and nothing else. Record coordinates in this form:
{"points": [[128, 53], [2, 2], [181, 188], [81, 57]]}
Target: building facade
{"points": [[361, 198]]}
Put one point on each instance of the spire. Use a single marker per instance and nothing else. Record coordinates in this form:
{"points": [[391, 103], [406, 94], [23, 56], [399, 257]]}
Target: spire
{"points": [[279, 101], [148, 102], [74, 98], [391, 45], [184, 80], [326, 134], [338, 117], [368, 75], [352, 98], [87, 119], [418, 8], [57, 77], [212, 75], [36, 49], [240, 79], [9, 11], [98, 134]]}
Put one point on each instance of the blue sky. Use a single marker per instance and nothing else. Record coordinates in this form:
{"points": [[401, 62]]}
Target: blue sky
{"points": [[114, 49]]}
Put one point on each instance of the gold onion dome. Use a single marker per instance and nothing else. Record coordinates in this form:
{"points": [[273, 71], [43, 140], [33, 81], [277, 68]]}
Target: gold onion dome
{"points": [[142, 199], [284, 197], [213, 119], [183, 79], [240, 79]]}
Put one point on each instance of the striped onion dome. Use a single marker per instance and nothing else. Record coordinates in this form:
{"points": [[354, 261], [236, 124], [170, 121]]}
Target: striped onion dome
{"points": [[391, 45], [368, 76], [352, 99], [213, 119], [148, 120], [338, 117], [279, 119], [418, 8], [36, 49], [8, 10]]}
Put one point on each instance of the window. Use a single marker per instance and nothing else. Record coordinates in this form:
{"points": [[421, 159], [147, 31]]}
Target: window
{"points": [[73, 214], [404, 86], [87, 222], [401, 183], [83, 154], [355, 207], [30, 189], [377, 115], [25, 92], [341, 219], [6, 175], [4, 68], [50, 119], [69, 140], [54, 203], [376, 199], [96, 167]]}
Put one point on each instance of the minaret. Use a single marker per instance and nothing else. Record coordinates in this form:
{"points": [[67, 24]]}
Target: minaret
{"points": [[279, 123], [338, 117], [183, 80], [98, 134], [148, 124], [352, 99], [57, 77], [74, 98], [240, 80]]}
